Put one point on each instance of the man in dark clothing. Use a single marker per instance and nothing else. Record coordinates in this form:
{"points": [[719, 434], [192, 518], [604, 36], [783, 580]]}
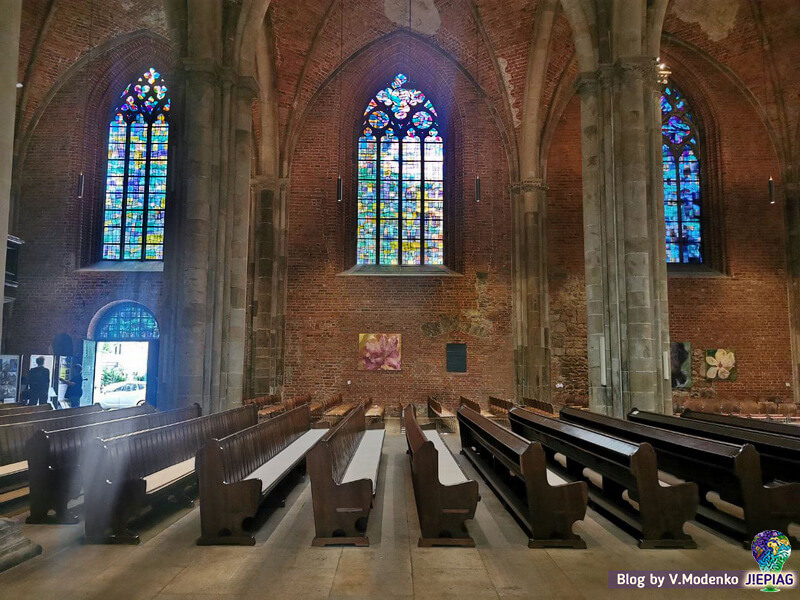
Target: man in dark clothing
{"points": [[74, 387], [38, 383]]}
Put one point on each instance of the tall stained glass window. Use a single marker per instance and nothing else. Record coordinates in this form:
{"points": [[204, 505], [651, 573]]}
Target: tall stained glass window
{"points": [[136, 179], [400, 179], [682, 202]]}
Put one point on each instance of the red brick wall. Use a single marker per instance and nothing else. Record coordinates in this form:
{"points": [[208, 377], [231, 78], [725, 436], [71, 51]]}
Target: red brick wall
{"points": [[326, 313], [61, 231], [745, 310]]}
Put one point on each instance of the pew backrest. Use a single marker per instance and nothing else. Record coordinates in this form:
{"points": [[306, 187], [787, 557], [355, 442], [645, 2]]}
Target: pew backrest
{"points": [[136, 455], [499, 406], [342, 441], [744, 423], [48, 414], [14, 437], [21, 409]]}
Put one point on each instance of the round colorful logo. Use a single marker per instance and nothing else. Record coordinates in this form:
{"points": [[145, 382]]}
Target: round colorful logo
{"points": [[771, 549]]}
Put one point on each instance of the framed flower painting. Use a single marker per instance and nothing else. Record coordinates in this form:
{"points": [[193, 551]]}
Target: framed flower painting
{"points": [[379, 351], [721, 365]]}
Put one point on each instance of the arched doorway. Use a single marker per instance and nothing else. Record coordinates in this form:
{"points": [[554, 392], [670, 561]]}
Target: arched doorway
{"points": [[120, 357]]}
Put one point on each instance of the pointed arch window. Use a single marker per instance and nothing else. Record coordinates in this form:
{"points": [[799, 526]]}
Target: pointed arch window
{"points": [[136, 176], [400, 179], [682, 197]]}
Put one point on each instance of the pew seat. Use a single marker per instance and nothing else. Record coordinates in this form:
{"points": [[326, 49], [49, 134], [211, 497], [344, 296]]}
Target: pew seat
{"points": [[14, 468], [450, 472], [366, 459]]}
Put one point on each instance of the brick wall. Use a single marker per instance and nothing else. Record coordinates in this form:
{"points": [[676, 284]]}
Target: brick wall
{"points": [[326, 312], [61, 231]]}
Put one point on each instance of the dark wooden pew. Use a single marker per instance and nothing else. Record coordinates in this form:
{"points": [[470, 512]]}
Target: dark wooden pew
{"points": [[320, 407], [744, 423], [500, 407], [443, 417], [24, 410], [47, 414], [58, 460], [731, 470], [149, 467], [374, 412], [13, 437], [238, 472], [343, 468], [516, 469], [476, 406], [544, 407], [624, 466], [780, 454], [11, 405], [446, 498]]}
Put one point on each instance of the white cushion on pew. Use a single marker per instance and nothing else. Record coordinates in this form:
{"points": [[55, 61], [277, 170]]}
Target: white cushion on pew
{"points": [[276, 467], [367, 458], [159, 479], [17, 467], [449, 471]]}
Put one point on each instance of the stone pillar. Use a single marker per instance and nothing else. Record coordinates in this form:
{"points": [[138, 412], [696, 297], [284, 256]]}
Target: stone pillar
{"points": [[530, 250], [9, 65], [207, 264], [792, 200], [625, 280]]}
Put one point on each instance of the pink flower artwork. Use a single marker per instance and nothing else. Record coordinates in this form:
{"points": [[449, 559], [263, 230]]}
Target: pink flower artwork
{"points": [[379, 351]]}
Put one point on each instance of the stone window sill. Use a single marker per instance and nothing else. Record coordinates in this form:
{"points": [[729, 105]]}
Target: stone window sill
{"points": [[399, 271], [130, 266], [695, 271]]}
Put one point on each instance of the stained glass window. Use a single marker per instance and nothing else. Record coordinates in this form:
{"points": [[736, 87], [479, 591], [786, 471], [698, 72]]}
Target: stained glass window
{"points": [[400, 179], [682, 202], [136, 178], [127, 321]]}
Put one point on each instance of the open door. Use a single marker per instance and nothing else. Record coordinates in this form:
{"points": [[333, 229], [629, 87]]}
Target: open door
{"points": [[152, 374], [89, 353]]}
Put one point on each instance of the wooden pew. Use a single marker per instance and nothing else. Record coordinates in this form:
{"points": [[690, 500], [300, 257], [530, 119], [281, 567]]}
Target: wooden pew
{"points": [[744, 423], [24, 410], [59, 460], [374, 413], [148, 467], [499, 407], [780, 454], [624, 466], [319, 408], [476, 406], [343, 468], [47, 414], [238, 472], [12, 405], [516, 469], [731, 470], [445, 496], [13, 437], [543, 407], [443, 417]]}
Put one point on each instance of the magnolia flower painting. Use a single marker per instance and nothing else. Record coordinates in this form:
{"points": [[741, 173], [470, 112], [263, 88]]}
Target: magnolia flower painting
{"points": [[720, 365], [379, 351]]}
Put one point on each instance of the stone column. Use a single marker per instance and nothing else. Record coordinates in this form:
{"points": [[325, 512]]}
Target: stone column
{"points": [[625, 281], [9, 65], [792, 200], [530, 212]]}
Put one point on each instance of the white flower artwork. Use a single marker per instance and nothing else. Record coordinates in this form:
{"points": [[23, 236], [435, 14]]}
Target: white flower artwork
{"points": [[721, 365]]}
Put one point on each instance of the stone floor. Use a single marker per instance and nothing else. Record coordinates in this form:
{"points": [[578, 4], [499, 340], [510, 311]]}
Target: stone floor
{"points": [[283, 565]]}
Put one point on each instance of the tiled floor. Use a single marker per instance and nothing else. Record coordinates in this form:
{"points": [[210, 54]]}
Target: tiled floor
{"points": [[283, 565]]}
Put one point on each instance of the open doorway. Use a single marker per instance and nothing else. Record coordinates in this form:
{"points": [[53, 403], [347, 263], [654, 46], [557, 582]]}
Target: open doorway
{"points": [[121, 363], [120, 374]]}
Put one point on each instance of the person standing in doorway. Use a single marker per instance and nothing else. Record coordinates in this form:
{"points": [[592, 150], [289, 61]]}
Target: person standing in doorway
{"points": [[74, 387], [38, 383]]}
